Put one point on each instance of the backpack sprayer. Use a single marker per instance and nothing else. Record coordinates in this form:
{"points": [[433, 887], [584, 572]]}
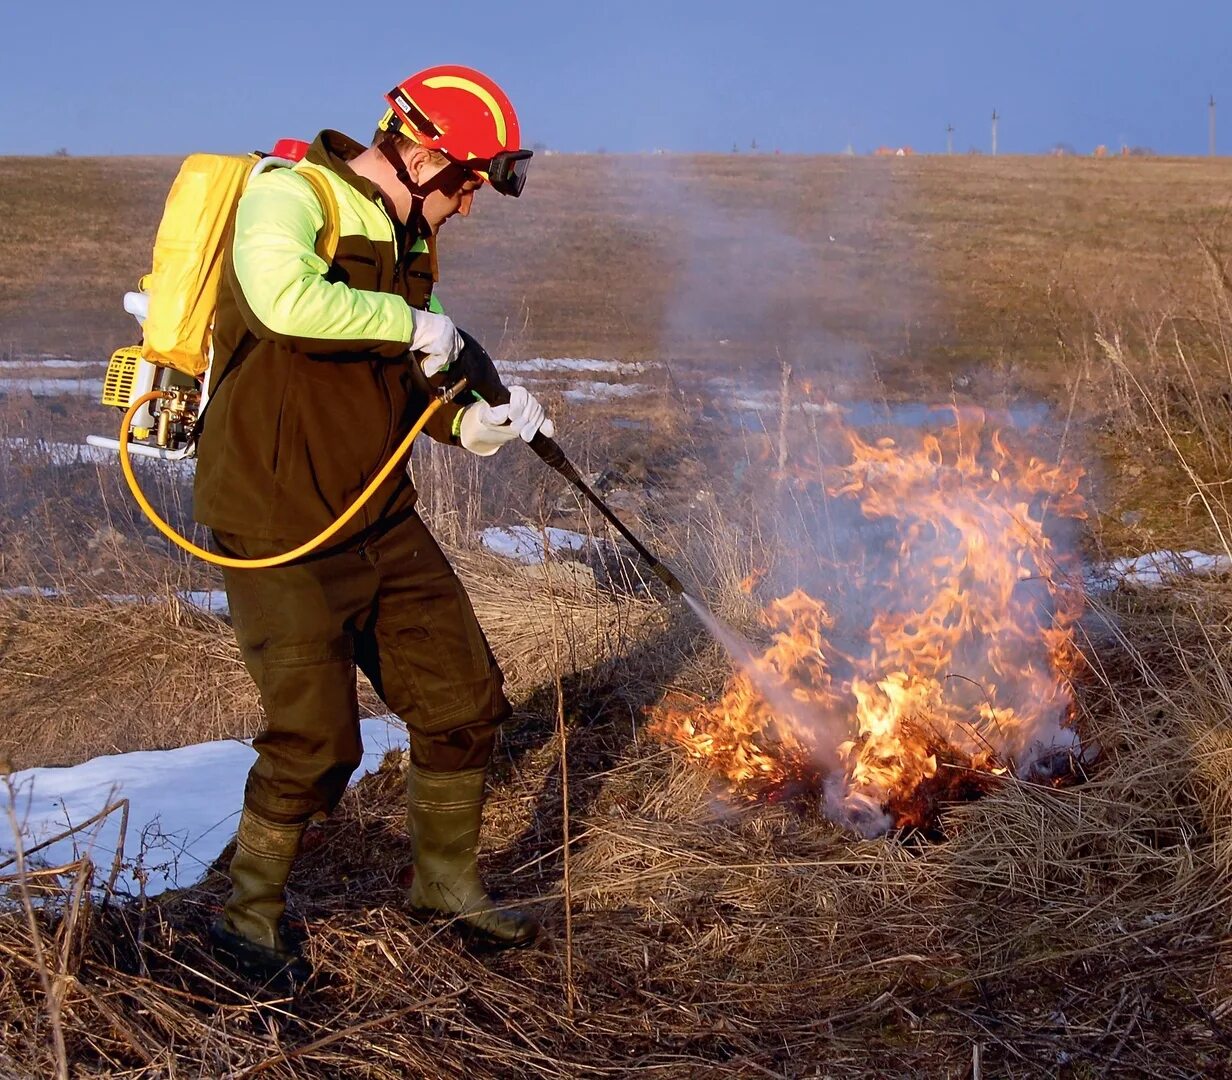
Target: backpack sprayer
{"points": [[175, 302]]}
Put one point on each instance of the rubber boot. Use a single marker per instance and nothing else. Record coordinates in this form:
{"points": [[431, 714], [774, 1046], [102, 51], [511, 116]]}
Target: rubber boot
{"points": [[444, 810], [248, 931]]}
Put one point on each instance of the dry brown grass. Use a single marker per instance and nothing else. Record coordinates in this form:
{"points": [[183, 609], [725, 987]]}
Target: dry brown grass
{"points": [[1076, 932], [1162, 453], [1079, 932], [83, 678], [82, 674], [937, 266]]}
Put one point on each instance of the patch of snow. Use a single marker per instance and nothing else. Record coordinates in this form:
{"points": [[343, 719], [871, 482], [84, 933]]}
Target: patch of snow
{"points": [[211, 601], [30, 590], [1155, 568], [183, 807], [53, 387], [821, 408], [59, 453], [753, 403], [571, 363], [64, 454], [525, 545], [57, 363], [596, 391]]}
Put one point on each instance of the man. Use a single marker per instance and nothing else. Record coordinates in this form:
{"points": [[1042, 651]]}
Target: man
{"points": [[319, 371]]}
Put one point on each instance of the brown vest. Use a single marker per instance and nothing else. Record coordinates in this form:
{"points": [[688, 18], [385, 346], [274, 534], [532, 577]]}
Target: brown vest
{"points": [[295, 429]]}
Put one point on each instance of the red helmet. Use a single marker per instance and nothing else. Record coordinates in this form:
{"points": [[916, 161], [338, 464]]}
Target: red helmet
{"points": [[465, 115]]}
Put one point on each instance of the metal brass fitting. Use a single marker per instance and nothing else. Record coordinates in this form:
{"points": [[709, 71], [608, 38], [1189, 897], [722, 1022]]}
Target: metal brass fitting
{"points": [[448, 393], [177, 415]]}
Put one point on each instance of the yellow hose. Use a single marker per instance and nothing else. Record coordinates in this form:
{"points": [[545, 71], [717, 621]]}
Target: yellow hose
{"points": [[274, 560]]}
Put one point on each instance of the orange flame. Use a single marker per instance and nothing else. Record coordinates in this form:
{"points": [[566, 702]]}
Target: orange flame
{"points": [[962, 671]]}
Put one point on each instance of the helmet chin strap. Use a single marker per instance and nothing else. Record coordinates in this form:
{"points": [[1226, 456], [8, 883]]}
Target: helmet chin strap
{"points": [[416, 223]]}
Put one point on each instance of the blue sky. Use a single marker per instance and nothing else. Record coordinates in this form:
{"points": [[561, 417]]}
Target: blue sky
{"points": [[171, 77]]}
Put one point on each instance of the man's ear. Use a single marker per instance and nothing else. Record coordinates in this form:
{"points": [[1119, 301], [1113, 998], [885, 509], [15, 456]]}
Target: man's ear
{"points": [[416, 158]]}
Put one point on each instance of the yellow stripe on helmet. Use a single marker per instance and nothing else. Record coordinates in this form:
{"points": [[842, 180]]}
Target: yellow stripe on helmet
{"points": [[456, 82]]}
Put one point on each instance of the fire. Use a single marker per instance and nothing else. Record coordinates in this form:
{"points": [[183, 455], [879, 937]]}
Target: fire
{"points": [[939, 652]]}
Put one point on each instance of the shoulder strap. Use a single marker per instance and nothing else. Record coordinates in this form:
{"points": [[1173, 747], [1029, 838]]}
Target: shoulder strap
{"points": [[327, 238]]}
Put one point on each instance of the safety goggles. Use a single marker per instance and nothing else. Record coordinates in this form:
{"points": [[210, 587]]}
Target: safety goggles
{"points": [[506, 171]]}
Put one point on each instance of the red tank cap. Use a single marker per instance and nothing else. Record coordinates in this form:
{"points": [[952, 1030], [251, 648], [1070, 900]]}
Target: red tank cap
{"points": [[291, 149]]}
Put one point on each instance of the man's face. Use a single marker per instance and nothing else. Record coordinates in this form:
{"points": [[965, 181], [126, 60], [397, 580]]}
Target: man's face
{"points": [[454, 197], [442, 204]]}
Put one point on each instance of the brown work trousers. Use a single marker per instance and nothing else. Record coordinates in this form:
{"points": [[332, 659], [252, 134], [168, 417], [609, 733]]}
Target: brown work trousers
{"points": [[392, 605]]}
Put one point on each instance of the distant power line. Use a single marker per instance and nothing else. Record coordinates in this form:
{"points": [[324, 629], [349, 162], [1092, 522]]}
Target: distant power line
{"points": [[1211, 143]]}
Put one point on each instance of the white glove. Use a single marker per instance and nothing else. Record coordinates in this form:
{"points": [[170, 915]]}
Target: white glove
{"points": [[437, 338], [485, 428]]}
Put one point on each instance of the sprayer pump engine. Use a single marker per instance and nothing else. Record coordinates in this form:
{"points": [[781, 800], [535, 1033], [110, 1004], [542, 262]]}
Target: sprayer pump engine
{"points": [[161, 428]]}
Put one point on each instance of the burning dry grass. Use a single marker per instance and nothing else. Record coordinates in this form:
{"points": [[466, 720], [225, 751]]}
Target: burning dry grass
{"points": [[1055, 932], [943, 654]]}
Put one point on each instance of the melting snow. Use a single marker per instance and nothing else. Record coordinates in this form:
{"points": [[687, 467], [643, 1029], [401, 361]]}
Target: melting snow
{"points": [[569, 363], [1155, 568], [211, 601], [598, 390], [58, 453], [183, 807], [525, 545], [54, 363], [62, 454], [52, 387]]}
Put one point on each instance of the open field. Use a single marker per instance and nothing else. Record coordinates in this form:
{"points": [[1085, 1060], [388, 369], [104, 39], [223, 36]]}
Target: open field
{"points": [[935, 266], [926, 278], [1078, 930]]}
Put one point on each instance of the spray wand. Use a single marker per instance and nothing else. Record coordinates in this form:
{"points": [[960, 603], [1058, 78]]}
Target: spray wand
{"points": [[481, 376]]}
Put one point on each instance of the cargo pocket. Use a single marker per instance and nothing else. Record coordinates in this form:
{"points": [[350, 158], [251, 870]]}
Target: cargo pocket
{"points": [[310, 744], [437, 673], [309, 691]]}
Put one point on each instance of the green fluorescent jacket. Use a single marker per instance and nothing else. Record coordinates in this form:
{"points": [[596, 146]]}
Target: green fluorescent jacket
{"points": [[312, 386]]}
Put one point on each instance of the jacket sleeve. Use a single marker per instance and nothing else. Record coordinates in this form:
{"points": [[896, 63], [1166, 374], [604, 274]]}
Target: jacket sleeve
{"points": [[280, 285], [443, 427]]}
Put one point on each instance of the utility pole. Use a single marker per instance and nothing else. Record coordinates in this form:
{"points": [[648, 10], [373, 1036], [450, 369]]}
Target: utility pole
{"points": [[995, 118], [1211, 144], [949, 138]]}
